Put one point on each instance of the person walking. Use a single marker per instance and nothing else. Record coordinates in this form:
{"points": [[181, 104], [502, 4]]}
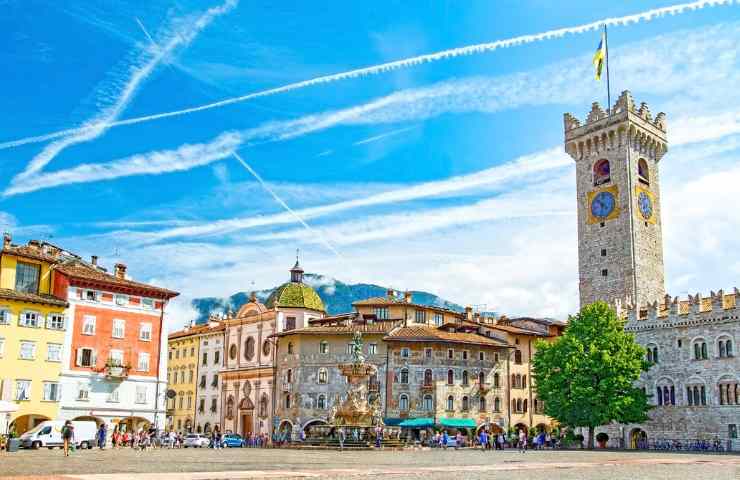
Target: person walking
{"points": [[341, 439], [102, 436], [68, 436], [378, 436], [522, 441], [483, 439]]}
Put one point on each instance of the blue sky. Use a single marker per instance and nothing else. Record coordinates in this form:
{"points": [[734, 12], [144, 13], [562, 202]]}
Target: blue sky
{"points": [[447, 176]]}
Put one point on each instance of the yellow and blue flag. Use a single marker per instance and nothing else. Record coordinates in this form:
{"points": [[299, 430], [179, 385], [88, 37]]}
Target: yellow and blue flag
{"points": [[600, 56]]}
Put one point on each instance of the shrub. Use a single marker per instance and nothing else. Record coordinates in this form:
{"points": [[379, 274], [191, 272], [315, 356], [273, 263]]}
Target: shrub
{"points": [[602, 437]]}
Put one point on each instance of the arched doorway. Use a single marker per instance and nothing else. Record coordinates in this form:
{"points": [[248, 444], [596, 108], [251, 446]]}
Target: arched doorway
{"points": [[310, 430], [521, 426], [133, 424], [638, 439], [89, 418], [285, 431], [24, 423]]}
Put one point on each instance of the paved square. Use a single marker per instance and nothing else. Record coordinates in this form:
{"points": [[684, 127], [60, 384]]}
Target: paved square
{"points": [[428, 464]]}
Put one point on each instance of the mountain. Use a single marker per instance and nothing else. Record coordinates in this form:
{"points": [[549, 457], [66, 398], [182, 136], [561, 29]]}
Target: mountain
{"points": [[336, 295]]}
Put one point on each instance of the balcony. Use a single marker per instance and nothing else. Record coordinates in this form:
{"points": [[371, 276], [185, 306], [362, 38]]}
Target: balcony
{"points": [[114, 372], [427, 387], [286, 387], [373, 386]]}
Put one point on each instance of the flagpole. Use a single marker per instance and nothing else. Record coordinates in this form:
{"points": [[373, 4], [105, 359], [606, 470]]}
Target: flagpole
{"points": [[608, 87]]}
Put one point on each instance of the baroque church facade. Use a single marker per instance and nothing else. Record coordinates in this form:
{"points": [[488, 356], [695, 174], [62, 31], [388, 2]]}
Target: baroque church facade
{"points": [[694, 379]]}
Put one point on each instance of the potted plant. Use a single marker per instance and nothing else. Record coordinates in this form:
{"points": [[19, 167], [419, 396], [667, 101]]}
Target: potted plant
{"points": [[601, 439], [114, 368]]}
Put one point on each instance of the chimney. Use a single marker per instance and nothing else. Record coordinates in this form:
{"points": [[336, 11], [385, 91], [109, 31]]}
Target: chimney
{"points": [[407, 296], [253, 297], [476, 317], [94, 260], [7, 239], [120, 270], [469, 313], [391, 293]]}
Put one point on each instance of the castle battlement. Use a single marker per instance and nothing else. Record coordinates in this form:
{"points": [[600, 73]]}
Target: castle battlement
{"points": [[675, 312], [627, 125]]}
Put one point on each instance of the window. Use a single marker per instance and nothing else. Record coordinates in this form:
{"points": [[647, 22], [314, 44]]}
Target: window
{"points": [[88, 325], [266, 348], [4, 317], [405, 353], [465, 403], [666, 394], [725, 348], [381, 313], [141, 394], [450, 403], [465, 379], [524, 406], [428, 403], [324, 347], [450, 354], [113, 395], [643, 173], [524, 381], [496, 380], [144, 364], [119, 327], [700, 350], [518, 357], [249, 348], [289, 375], [26, 278], [428, 377], [232, 352], [372, 349], [481, 356], [729, 392], [28, 350], [602, 173], [202, 404], [23, 389], [85, 357], [321, 403], [652, 353], [147, 303], [287, 400], [202, 381], [450, 377], [428, 353], [214, 404], [145, 332], [438, 319], [603, 252], [214, 382], [55, 321], [403, 402], [91, 295], [205, 358], [323, 376], [604, 272], [290, 348], [289, 323], [83, 391], [217, 357], [495, 357], [482, 404], [420, 316], [28, 319], [482, 378], [732, 430], [121, 300], [190, 376], [350, 347], [51, 391], [497, 404], [54, 352], [465, 355], [404, 376]]}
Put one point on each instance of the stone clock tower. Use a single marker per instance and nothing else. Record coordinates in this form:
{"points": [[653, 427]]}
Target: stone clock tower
{"points": [[620, 246]]}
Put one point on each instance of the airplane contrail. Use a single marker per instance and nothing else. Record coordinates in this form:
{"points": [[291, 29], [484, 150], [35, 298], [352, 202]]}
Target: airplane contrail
{"points": [[300, 219], [645, 16]]}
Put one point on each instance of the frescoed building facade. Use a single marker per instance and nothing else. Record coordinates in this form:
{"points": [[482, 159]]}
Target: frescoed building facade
{"points": [[211, 362]]}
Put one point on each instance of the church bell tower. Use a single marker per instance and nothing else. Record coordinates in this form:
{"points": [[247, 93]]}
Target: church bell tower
{"points": [[620, 245]]}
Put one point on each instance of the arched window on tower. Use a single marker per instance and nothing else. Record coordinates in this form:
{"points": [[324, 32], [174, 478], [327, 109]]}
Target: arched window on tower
{"points": [[497, 404], [427, 377], [643, 173], [465, 379], [450, 377], [450, 403], [602, 172]]}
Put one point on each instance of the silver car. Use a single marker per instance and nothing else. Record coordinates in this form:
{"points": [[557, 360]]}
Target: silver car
{"points": [[196, 440]]}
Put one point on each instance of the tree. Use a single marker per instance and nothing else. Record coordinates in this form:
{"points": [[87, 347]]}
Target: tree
{"points": [[587, 376]]}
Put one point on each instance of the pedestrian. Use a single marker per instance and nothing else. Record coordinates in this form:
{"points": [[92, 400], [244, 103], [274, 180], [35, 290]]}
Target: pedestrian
{"points": [[483, 439], [341, 439], [445, 439], [102, 436], [378, 436], [219, 440], [522, 441], [302, 436], [68, 436], [548, 440]]}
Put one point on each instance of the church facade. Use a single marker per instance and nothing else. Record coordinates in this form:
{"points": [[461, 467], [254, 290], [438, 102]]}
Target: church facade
{"points": [[693, 379]]}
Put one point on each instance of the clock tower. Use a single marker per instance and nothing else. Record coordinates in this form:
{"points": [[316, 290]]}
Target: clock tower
{"points": [[620, 246]]}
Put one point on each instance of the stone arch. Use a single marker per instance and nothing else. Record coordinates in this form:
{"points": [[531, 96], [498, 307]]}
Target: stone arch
{"points": [[89, 418], [314, 421]]}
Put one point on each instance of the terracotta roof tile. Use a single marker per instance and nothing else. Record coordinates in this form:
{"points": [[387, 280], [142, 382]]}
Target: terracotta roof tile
{"points": [[197, 330], [431, 334], [31, 252], [44, 299], [383, 301], [378, 328], [80, 270]]}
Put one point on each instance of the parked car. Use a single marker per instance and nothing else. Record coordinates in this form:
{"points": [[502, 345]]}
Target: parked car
{"points": [[232, 440], [196, 440], [49, 434]]}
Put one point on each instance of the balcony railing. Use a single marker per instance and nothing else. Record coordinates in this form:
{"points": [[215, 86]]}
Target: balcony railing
{"points": [[373, 386], [116, 371]]}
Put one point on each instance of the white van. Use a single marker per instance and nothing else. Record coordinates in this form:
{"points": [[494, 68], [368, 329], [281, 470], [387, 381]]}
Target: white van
{"points": [[49, 434]]}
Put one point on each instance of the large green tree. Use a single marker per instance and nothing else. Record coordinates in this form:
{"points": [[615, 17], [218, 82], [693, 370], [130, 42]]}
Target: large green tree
{"points": [[586, 377]]}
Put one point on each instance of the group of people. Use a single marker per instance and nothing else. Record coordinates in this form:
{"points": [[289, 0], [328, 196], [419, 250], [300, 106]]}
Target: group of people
{"points": [[142, 439]]}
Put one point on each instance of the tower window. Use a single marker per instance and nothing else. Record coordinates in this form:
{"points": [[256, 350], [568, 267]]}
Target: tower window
{"points": [[602, 172], [604, 272], [643, 173], [603, 252], [602, 224]]}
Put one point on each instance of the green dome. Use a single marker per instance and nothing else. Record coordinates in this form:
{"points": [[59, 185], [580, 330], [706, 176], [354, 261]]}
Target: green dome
{"points": [[295, 295]]}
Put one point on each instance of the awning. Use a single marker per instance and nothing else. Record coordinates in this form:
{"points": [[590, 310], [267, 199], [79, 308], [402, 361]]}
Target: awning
{"points": [[393, 422], [458, 422], [422, 422]]}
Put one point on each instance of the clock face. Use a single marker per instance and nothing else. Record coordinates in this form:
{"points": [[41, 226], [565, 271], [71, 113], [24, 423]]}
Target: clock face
{"points": [[602, 204], [646, 205]]}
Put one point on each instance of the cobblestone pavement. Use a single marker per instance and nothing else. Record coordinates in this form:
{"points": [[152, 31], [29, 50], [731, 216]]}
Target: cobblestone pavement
{"points": [[203, 464]]}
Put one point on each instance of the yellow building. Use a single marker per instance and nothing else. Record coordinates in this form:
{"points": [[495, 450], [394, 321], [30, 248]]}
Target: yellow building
{"points": [[32, 331], [182, 378]]}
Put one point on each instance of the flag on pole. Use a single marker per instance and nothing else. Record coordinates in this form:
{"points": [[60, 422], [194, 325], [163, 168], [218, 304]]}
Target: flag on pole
{"points": [[600, 56]]}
